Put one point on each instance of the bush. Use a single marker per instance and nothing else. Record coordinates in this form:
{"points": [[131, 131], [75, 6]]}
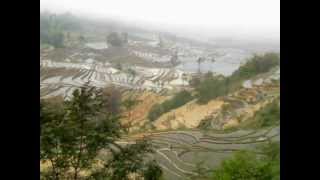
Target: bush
{"points": [[268, 115], [247, 165], [256, 65], [178, 100], [211, 88]]}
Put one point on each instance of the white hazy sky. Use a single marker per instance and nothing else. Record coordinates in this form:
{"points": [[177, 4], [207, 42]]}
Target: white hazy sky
{"points": [[244, 17]]}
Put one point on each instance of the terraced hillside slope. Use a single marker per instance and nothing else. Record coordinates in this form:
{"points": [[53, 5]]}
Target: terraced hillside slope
{"points": [[179, 152], [61, 78], [224, 112], [207, 134]]}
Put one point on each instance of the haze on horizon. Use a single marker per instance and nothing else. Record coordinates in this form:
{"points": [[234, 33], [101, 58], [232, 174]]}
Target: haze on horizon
{"points": [[240, 19]]}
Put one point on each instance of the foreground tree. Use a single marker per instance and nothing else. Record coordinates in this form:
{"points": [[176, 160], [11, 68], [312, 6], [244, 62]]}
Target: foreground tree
{"points": [[73, 134], [129, 163], [72, 137]]}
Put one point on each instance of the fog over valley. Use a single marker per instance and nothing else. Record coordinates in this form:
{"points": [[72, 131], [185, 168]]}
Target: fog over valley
{"points": [[246, 20]]}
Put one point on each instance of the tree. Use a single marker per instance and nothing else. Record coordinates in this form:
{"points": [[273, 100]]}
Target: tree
{"points": [[195, 81], [244, 165], [248, 165], [210, 88], [71, 137], [269, 115], [155, 112], [74, 132], [51, 116], [129, 162], [257, 64], [152, 171], [114, 39], [112, 100], [176, 101]]}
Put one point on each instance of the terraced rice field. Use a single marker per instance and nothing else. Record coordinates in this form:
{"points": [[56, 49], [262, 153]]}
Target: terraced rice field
{"points": [[61, 78], [178, 152]]}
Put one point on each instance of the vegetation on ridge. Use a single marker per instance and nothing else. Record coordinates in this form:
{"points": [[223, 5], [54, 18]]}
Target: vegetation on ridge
{"points": [[178, 100], [211, 87]]}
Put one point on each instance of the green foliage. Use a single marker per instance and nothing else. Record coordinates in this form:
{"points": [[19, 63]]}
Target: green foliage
{"points": [[112, 100], [153, 171], [256, 65], [247, 165], [267, 116], [211, 87], [178, 100], [74, 132], [130, 160], [72, 136], [195, 82], [155, 112], [130, 103]]}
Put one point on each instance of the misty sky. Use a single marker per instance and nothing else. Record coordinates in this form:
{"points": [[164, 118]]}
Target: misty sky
{"points": [[255, 18]]}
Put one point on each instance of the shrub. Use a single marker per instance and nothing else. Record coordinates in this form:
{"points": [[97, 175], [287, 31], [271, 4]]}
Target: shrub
{"points": [[211, 88], [257, 64], [268, 115], [178, 100], [247, 165], [155, 112]]}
